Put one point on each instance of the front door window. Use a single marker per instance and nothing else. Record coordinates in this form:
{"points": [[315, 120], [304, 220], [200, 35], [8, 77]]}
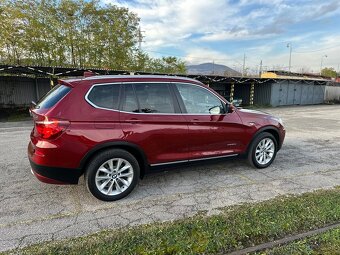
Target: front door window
{"points": [[198, 100]]}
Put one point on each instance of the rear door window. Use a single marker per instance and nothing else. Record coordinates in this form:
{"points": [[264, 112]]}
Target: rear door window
{"points": [[130, 103], [155, 98], [53, 97], [104, 96]]}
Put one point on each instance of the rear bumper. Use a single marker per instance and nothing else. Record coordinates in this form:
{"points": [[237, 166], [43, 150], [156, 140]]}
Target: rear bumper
{"points": [[55, 175]]}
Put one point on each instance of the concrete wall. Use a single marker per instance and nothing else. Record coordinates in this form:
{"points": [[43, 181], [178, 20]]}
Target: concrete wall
{"points": [[332, 93]]}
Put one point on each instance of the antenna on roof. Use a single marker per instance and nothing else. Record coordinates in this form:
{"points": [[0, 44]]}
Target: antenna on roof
{"points": [[88, 74]]}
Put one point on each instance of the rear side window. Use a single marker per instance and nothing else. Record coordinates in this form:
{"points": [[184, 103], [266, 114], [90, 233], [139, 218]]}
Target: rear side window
{"points": [[154, 98], [53, 97], [105, 96]]}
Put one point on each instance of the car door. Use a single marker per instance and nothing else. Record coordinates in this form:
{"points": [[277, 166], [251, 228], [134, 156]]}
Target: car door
{"points": [[150, 117], [213, 132]]}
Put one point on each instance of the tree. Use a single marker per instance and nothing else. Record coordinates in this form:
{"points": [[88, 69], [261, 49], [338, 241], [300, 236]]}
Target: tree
{"points": [[168, 65], [11, 33], [329, 72], [82, 33]]}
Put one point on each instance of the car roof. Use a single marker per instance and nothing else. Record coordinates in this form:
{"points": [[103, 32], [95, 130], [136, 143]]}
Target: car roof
{"points": [[127, 78]]}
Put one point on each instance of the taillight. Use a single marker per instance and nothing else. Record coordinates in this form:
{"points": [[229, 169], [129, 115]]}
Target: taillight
{"points": [[50, 128]]}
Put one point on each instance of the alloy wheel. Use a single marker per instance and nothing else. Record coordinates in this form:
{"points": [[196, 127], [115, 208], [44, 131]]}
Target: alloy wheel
{"points": [[114, 176], [264, 151]]}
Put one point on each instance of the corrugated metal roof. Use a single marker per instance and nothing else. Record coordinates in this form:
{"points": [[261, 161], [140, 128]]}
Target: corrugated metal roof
{"points": [[50, 71]]}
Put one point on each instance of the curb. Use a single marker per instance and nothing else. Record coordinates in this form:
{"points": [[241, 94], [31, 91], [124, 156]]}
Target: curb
{"points": [[284, 240]]}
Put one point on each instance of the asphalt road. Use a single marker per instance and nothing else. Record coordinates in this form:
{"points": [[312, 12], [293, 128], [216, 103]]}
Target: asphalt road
{"points": [[31, 211]]}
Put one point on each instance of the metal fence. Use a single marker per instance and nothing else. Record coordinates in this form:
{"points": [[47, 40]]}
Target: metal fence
{"points": [[296, 93], [276, 92], [16, 91], [19, 91]]}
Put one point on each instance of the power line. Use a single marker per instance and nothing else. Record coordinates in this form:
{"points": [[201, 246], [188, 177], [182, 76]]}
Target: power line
{"points": [[182, 56], [244, 64], [302, 52], [238, 62]]}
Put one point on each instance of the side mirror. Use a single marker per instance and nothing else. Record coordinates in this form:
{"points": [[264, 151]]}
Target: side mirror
{"points": [[230, 108], [215, 110], [33, 105]]}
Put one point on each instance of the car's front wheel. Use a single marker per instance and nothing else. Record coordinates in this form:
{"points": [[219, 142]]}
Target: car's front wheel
{"points": [[112, 174], [262, 150]]}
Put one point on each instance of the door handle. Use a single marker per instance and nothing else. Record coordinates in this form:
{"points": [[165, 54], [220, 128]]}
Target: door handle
{"points": [[133, 120], [195, 121]]}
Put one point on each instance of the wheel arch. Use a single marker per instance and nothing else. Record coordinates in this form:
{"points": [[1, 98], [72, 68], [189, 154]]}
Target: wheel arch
{"points": [[269, 129], [134, 149]]}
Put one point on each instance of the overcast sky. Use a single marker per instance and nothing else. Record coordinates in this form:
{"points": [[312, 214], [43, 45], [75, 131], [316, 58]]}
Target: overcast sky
{"points": [[201, 31]]}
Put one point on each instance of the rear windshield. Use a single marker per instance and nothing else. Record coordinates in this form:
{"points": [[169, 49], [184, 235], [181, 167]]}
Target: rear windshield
{"points": [[53, 97]]}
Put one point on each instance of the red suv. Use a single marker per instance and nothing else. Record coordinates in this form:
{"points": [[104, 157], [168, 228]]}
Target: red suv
{"points": [[114, 129]]}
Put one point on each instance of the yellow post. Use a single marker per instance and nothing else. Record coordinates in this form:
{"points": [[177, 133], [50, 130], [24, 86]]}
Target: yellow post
{"points": [[51, 83], [232, 92], [252, 89]]}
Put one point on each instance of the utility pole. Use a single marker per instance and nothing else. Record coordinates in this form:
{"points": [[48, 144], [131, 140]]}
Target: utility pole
{"points": [[289, 45], [323, 56], [244, 65], [213, 67], [260, 68], [140, 38]]}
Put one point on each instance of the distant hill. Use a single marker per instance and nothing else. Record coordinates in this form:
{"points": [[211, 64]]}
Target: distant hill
{"points": [[210, 68]]}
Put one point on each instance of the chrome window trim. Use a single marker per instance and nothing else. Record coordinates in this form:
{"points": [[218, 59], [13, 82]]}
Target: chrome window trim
{"points": [[93, 104], [193, 160], [139, 113]]}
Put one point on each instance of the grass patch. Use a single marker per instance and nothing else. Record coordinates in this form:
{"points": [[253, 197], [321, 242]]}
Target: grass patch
{"points": [[14, 114], [327, 243], [257, 106], [234, 228]]}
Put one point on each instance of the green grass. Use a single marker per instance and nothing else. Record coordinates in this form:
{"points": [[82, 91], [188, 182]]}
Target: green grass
{"points": [[14, 114], [327, 243], [234, 228], [257, 106], [19, 117]]}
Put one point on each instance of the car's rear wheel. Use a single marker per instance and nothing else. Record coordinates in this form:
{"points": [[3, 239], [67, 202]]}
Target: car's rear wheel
{"points": [[262, 150], [112, 174]]}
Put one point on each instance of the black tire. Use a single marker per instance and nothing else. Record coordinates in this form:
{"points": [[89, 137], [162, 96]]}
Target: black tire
{"points": [[100, 159], [252, 150]]}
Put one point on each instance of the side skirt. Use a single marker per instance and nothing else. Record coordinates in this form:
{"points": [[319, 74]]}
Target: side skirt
{"points": [[185, 163]]}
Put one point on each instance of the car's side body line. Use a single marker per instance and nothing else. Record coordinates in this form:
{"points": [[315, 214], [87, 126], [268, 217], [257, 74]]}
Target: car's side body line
{"points": [[192, 160]]}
